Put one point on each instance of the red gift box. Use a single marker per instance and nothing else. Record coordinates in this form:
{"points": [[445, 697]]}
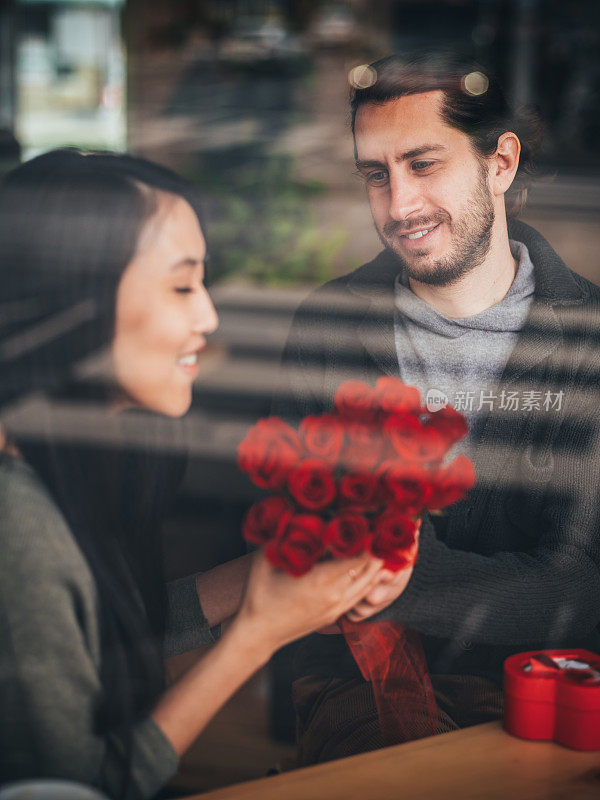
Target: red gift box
{"points": [[554, 695]]}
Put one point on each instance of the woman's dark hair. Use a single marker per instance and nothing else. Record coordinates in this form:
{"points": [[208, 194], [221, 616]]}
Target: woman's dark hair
{"points": [[69, 225], [474, 103]]}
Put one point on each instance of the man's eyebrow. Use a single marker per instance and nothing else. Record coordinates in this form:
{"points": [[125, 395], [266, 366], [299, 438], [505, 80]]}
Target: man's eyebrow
{"points": [[406, 156]]}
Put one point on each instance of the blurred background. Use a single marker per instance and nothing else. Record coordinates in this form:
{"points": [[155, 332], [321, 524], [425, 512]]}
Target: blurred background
{"points": [[249, 99]]}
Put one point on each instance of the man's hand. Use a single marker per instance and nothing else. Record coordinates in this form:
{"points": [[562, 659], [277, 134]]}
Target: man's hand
{"points": [[389, 587]]}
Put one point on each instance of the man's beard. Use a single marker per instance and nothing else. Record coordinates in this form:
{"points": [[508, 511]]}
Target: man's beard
{"points": [[472, 236]]}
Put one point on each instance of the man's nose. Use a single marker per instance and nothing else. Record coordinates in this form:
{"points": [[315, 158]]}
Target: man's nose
{"points": [[406, 197]]}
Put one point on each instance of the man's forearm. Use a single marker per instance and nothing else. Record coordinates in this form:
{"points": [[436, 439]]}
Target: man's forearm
{"points": [[504, 598]]}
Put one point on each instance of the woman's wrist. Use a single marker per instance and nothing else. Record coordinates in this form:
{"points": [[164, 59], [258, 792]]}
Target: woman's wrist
{"points": [[251, 639], [220, 590]]}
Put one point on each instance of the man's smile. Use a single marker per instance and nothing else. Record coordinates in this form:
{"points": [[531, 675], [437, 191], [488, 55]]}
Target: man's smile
{"points": [[417, 238], [414, 235], [419, 233]]}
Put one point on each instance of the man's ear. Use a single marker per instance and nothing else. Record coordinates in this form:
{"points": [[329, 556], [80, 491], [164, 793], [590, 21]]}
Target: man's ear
{"points": [[505, 162]]}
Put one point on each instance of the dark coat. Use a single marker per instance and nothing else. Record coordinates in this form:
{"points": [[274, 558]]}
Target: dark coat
{"points": [[516, 565]]}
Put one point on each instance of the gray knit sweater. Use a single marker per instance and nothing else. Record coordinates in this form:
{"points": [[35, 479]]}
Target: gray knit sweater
{"points": [[50, 649], [461, 358]]}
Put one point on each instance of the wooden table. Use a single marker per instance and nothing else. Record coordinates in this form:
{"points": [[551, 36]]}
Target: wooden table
{"points": [[479, 763]]}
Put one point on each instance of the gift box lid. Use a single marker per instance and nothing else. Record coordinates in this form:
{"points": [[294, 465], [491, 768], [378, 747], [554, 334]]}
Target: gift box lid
{"points": [[568, 678]]}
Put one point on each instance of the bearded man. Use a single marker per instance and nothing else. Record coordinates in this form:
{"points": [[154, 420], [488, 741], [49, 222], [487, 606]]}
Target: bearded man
{"points": [[478, 311]]}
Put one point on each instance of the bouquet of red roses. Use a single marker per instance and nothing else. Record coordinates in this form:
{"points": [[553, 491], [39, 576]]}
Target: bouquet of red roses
{"points": [[355, 479]]}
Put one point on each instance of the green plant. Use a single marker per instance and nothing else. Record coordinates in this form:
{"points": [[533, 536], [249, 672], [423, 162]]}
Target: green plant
{"points": [[260, 222]]}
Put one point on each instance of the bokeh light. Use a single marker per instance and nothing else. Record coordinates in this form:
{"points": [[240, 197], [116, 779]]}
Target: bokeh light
{"points": [[362, 77], [475, 83]]}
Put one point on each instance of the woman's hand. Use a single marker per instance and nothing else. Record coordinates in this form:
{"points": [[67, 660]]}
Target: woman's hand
{"points": [[276, 610], [281, 608]]}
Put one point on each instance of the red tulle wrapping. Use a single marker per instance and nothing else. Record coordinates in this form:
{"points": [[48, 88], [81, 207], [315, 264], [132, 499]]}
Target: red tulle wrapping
{"points": [[390, 656]]}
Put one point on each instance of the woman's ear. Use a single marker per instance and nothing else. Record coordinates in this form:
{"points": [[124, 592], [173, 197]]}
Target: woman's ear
{"points": [[505, 163]]}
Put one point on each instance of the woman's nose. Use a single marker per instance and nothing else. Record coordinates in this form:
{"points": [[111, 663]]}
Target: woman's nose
{"points": [[207, 319]]}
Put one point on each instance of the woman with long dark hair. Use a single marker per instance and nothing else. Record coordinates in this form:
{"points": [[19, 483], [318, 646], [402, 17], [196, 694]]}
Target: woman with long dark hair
{"points": [[100, 250]]}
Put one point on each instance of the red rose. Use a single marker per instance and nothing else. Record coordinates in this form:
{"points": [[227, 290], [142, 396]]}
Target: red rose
{"points": [[299, 547], [394, 540], [266, 520], [395, 397], [347, 535], [451, 483], [364, 448], [311, 484], [450, 423], [323, 436], [269, 451], [409, 485], [359, 491], [414, 441], [355, 400]]}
